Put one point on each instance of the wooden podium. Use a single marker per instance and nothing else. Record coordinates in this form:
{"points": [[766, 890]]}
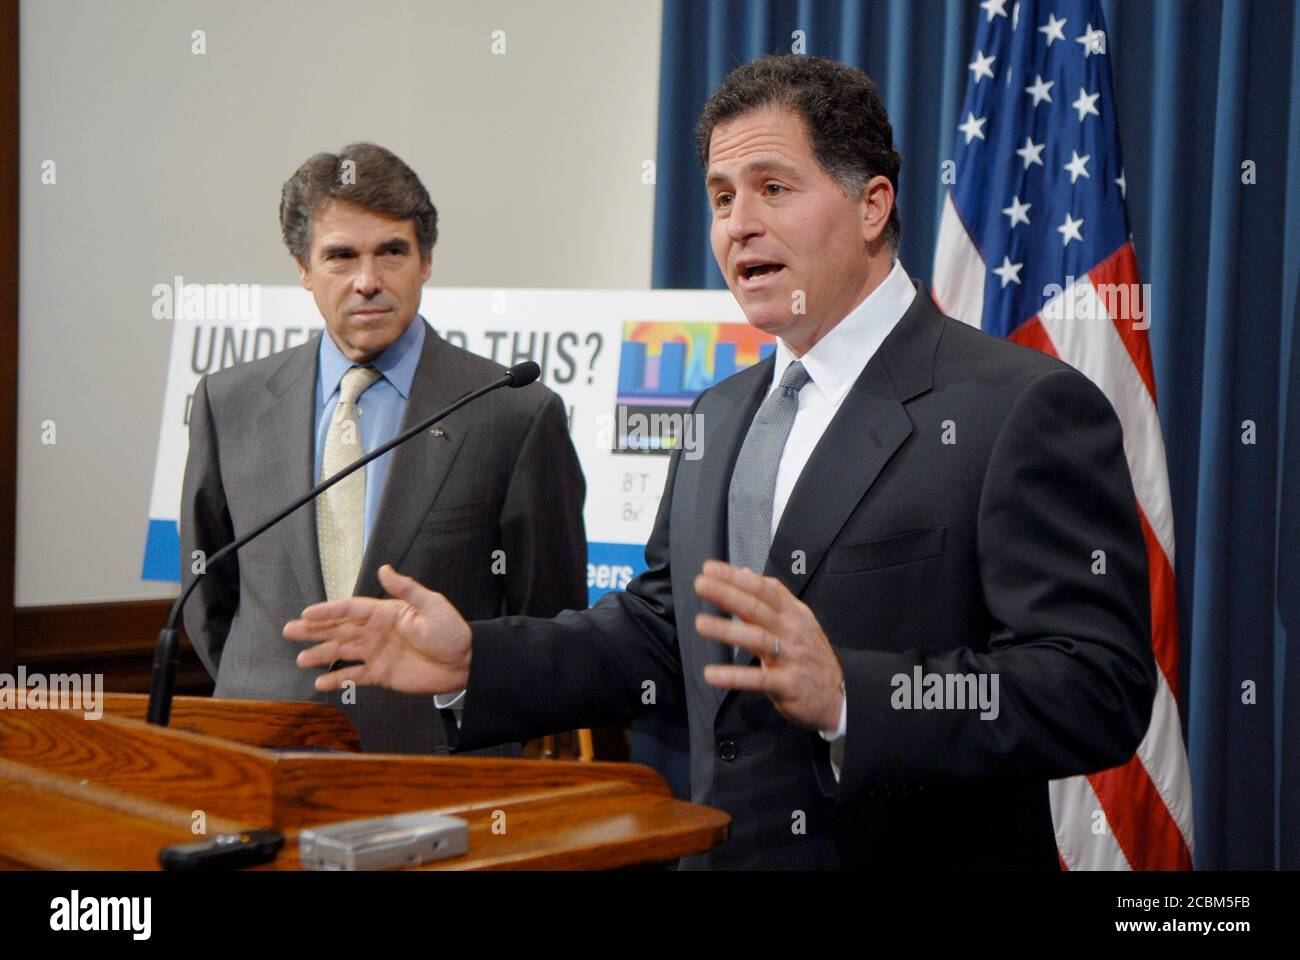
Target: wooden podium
{"points": [[108, 793]]}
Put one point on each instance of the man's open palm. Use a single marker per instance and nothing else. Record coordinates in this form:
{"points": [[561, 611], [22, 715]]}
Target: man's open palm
{"points": [[414, 643]]}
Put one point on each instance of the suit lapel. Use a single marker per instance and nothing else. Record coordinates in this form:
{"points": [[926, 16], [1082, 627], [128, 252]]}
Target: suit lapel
{"points": [[419, 466], [286, 430], [865, 433], [746, 391]]}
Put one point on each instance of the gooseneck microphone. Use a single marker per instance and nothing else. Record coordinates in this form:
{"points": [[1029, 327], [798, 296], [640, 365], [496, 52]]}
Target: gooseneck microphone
{"points": [[167, 652]]}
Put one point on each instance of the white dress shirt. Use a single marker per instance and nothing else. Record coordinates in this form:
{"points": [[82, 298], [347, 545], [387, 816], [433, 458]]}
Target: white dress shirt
{"points": [[833, 364]]}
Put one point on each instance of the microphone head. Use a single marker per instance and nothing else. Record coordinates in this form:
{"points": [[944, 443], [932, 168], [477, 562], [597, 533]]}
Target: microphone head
{"points": [[522, 374]]}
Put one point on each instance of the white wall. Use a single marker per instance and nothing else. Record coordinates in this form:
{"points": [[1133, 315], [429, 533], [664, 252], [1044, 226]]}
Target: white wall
{"points": [[170, 163]]}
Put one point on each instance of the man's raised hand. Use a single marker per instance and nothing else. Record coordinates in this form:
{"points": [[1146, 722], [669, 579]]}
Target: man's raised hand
{"points": [[798, 668], [414, 643]]}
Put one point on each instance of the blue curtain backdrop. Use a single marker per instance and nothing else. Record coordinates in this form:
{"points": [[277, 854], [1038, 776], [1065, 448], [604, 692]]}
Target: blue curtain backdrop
{"points": [[1202, 86]]}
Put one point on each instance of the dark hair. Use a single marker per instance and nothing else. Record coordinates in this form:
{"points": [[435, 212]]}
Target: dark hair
{"points": [[846, 121], [374, 178]]}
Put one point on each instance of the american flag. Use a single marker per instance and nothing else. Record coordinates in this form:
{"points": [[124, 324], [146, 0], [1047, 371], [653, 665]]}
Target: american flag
{"points": [[1034, 245]]}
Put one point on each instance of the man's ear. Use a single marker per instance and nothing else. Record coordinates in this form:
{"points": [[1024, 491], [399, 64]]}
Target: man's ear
{"points": [[426, 267], [876, 203], [304, 274]]}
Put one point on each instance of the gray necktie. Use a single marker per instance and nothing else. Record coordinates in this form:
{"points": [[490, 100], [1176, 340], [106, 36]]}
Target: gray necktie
{"points": [[753, 482]]}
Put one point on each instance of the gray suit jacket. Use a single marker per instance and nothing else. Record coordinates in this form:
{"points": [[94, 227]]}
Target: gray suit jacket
{"points": [[502, 475]]}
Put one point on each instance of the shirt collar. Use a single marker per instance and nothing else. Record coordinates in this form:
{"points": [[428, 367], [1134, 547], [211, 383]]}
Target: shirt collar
{"points": [[397, 364], [836, 361]]}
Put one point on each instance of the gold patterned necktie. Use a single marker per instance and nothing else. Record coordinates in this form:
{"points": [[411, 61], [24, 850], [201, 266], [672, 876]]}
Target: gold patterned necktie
{"points": [[340, 510]]}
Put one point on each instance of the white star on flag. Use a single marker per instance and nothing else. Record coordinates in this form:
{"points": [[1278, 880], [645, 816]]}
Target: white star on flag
{"points": [[1018, 212], [1070, 230], [1086, 104], [1053, 29], [994, 8], [1078, 166], [1009, 272], [1123, 184], [1031, 152], [1039, 90], [973, 127], [982, 66], [1094, 41]]}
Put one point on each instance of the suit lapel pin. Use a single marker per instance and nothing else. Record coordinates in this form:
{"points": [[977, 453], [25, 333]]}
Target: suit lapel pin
{"points": [[438, 432]]}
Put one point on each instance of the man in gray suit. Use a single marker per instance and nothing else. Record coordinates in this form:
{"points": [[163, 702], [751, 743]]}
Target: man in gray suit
{"points": [[487, 507]]}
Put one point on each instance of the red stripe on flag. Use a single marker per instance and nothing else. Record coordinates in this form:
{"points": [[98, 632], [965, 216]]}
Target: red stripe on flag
{"points": [[1119, 287], [1142, 824], [1031, 333], [1164, 607]]}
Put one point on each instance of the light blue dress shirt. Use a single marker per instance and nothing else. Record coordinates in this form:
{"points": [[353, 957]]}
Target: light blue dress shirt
{"points": [[382, 406]]}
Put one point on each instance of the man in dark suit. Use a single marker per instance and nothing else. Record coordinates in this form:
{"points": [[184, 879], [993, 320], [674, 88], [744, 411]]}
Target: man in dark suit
{"points": [[911, 509], [487, 507]]}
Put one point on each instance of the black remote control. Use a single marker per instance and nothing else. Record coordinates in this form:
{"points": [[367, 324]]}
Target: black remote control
{"points": [[225, 852]]}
